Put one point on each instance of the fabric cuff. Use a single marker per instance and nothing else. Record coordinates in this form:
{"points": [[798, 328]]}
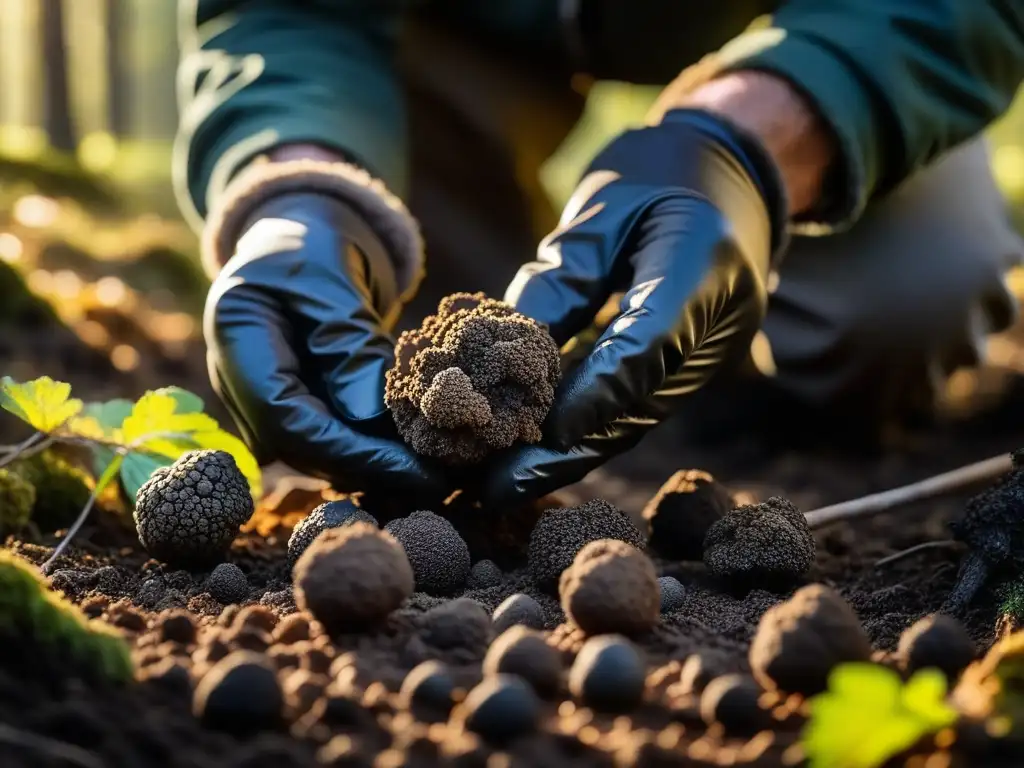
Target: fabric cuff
{"points": [[263, 179]]}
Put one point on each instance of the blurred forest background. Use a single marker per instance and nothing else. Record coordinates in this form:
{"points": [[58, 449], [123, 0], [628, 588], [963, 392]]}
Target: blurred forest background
{"points": [[98, 278]]}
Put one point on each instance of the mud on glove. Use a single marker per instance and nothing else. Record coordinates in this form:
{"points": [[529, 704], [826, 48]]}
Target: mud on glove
{"points": [[683, 218]]}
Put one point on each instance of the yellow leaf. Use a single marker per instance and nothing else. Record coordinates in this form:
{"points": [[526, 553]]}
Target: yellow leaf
{"points": [[155, 426], [88, 427], [43, 403]]}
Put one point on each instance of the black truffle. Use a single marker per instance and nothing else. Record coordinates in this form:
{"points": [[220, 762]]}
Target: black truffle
{"points": [[798, 642], [500, 709], [701, 668], [561, 533], [352, 578], [428, 692], [484, 574], [227, 584], [240, 693], [993, 527], [475, 378], [190, 511], [732, 700], [330, 514], [459, 623], [936, 641], [517, 609], [439, 557], [768, 545], [608, 674], [612, 587], [523, 652], [680, 514], [672, 594]]}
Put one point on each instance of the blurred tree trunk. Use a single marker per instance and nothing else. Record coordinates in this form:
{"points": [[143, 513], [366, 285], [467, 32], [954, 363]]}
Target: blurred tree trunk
{"points": [[57, 114], [118, 83]]}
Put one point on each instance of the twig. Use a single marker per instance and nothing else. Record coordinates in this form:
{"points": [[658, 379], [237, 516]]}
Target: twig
{"points": [[50, 747], [915, 549], [877, 503], [39, 441]]}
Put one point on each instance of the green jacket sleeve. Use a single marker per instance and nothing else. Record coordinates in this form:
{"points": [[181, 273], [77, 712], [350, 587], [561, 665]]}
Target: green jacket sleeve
{"points": [[899, 81], [258, 74]]}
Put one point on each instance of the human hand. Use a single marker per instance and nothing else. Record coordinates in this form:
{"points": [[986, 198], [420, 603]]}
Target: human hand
{"points": [[684, 217], [297, 347]]}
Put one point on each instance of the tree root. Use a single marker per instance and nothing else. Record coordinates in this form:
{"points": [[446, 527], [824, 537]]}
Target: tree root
{"points": [[973, 574]]}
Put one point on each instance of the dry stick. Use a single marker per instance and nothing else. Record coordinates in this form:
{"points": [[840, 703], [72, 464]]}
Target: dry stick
{"points": [[943, 544], [877, 503]]}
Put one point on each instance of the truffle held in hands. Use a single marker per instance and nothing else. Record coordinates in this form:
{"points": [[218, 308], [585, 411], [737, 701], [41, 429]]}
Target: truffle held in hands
{"points": [[475, 378], [190, 512]]}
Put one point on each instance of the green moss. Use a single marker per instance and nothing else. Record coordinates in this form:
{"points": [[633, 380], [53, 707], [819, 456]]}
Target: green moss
{"points": [[17, 496], [1011, 602], [62, 489], [32, 612]]}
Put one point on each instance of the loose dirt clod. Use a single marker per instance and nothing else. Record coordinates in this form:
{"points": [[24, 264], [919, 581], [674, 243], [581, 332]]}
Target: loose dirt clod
{"points": [[799, 642], [227, 584], [937, 641], [461, 623], [611, 588], [240, 694], [672, 594], [523, 652], [518, 609], [732, 700], [483, 575], [768, 545], [561, 533], [439, 557], [608, 674], [352, 578], [680, 514], [475, 378], [189, 512], [500, 709], [330, 514]]}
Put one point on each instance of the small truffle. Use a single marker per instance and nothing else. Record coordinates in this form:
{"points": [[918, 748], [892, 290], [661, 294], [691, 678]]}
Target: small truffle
{"points": [[798, 642], [768, 545], [523, 652], [699, 669], [330, 514], [475, 378], [190, 511], [483, 575], [438, 555], [427, 692], [732, 700], [240, 693], [352, 578], [517, 609], [608, 674], [680, 514], [611, 588], [227, 584], [561, 533], [936, 641], [500, 709], [459, 623], [672, 594]]}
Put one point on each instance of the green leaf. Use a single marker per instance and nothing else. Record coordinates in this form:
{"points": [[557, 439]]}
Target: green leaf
{"points": [[868, 716], [188, 402], [109, 415], [43, 403], [102, 457], [136, 469]]}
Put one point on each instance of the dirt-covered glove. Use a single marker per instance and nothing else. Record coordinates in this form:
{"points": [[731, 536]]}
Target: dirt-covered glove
{"points": [[297, 347], [683, 218]]}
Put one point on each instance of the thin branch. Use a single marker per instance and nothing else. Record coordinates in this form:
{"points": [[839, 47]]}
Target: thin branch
{"points": [[27, 442], [51, 748], [37, 442], [876, 503], [945, 543]]}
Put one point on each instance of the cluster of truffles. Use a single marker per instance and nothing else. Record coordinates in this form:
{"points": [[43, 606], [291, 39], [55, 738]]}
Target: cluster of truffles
{"points": [[475, 378], [190, 512]]}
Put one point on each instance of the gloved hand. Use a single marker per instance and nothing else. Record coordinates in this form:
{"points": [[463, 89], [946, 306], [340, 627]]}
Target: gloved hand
{"points": [[297, 348], [685, 218]]}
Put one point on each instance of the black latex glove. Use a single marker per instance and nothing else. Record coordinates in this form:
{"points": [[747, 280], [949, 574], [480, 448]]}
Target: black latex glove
{"points": [[684, 218], [297, 350]]}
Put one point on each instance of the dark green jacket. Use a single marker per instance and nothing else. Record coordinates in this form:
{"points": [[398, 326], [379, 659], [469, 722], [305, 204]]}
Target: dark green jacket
{"points": [[900, 81]]}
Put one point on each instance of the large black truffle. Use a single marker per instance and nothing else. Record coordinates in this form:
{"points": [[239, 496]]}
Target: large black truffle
{"points": [[190, 511], [475, 378], [561, 533], [608, 674], [439, 556], [681, 512], [768, 545], [798, 642], [330, 514]]}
